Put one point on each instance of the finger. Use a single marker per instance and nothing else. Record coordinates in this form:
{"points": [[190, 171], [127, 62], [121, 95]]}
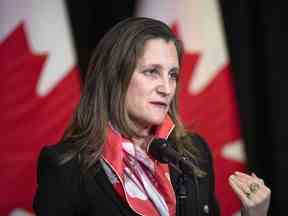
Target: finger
{"points": [[264, 192], [261, 196], [253, 176], [238, 190], [252, 197], [245, 178], [256, 177], [243, 184]]}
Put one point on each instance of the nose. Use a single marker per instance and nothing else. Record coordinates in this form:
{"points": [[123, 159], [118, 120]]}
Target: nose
{"points": [[165, 87]]}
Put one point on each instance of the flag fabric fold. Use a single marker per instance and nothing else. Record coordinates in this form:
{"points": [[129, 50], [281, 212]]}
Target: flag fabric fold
{"points": [[39, 89]]}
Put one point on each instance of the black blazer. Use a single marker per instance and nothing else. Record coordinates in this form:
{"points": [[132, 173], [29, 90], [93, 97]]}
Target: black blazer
{"points": [[64, 191]]}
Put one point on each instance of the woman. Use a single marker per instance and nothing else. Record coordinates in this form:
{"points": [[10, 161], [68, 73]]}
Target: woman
{"points": [[101, 166]]}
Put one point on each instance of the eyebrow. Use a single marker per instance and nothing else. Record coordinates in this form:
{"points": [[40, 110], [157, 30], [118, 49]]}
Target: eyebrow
{"points": [[158, 66]]}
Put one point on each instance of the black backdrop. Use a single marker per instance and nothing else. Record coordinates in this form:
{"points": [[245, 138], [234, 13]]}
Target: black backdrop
{"points": [[257, 33]]}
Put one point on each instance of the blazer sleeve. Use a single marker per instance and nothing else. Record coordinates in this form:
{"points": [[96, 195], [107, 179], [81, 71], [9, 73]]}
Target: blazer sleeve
{"points": [[202, 144], [58, 186]]}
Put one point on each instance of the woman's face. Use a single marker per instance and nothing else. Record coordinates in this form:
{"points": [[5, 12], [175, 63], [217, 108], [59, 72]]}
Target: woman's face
{"points": [[153, 84]]}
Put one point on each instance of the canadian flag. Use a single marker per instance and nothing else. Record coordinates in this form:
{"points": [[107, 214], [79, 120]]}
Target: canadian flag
{"points": [[39, 89], [207, 97]]}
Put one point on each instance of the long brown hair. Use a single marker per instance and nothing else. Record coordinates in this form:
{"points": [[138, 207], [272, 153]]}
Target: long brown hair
{"points": [[105, 87]]}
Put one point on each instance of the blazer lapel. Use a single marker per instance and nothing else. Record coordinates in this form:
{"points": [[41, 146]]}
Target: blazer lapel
{"points": [[103, 182]]}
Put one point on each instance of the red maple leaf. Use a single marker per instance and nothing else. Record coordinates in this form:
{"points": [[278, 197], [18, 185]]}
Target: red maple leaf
{"points": [[28, 121], [213, 114]]}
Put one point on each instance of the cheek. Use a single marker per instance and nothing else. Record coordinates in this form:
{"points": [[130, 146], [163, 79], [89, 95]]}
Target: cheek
{"points": [[134, 95], [137, 88]]}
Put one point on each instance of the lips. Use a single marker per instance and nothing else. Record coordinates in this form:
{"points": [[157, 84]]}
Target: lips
{"points": [[159, 104]]}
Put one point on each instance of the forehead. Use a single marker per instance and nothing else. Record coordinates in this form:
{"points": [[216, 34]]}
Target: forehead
{"points": [[158, 51]]}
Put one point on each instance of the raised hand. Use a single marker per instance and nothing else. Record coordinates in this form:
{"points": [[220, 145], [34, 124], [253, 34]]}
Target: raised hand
{"points": [[252, 192]]}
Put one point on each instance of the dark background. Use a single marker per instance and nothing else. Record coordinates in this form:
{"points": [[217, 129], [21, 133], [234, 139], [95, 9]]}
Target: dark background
{"points": [[256, 33]]}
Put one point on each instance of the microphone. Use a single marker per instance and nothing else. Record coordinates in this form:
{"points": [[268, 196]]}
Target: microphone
{"points": [[160, 150]]}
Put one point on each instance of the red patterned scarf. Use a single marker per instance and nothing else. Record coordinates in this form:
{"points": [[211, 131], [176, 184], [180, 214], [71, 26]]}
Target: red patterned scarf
{"points": [[139, 180]]}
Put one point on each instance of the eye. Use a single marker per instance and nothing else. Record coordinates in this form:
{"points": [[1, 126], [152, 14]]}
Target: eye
{"points": [[174, 75], [151, 72]]}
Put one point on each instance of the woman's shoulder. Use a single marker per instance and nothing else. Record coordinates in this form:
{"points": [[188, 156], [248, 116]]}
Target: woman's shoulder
{"points": [[50, 157], [51, 153], [201, 149], [59, 184], [199, 142], [57, 157]]}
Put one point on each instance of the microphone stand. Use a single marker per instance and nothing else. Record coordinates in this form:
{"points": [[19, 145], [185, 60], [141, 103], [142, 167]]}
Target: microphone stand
{"points": [[182, 192]]}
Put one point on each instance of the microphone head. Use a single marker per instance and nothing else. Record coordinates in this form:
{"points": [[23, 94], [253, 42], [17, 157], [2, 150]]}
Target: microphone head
{"points": [[160, 150], [156, 149]]}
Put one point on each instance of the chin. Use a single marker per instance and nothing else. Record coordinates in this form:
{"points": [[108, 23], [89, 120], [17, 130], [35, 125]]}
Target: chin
{"points": [[157, 121]]}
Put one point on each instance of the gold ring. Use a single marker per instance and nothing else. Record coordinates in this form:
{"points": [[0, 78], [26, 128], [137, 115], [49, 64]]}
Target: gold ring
{"points": [[254, 187], [248, 194]]}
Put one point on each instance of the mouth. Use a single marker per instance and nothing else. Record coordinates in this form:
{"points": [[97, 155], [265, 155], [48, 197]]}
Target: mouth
{"points": [[160, 104]]}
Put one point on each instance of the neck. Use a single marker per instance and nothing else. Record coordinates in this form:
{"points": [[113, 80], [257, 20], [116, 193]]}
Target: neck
{"points": [[142, 130], [142, 142], [144, 133]]}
